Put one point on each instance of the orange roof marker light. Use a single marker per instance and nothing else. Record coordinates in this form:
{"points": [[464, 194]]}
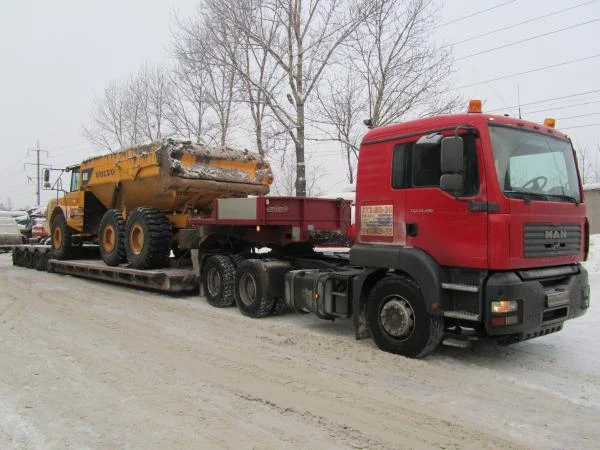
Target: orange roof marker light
{"points": [[474, 106], [549, 122]]}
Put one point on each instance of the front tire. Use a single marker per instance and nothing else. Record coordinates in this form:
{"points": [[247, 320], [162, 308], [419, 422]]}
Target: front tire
{"points": [[62, 238], [111, 236], [148, 238], [398, 318], [218, 276], [251, 290]]}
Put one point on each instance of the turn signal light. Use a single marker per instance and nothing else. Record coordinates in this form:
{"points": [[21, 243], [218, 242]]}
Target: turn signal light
{"points": [[474, 106], [549, 122], [504, 306]]}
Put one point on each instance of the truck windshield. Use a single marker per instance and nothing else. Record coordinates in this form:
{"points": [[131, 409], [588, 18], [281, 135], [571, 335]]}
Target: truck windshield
{"points": [[534, 166]]}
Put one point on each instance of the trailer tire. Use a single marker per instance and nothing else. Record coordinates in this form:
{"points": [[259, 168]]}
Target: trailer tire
{"points": [[15, 256], [237, 260], [218, 276], [38, 261], [251, 290], [111, 237], [28, 259], [148, 238], [398, 318], [62, 237]]}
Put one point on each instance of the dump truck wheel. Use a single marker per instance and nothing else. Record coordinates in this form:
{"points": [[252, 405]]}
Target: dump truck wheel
{"points": [[398, 319], [111, 237], [251, 290], [218, 276], [61, 238], [148, 238]]}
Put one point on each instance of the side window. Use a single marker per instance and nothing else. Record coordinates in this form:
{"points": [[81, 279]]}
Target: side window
{"points": [[401, 166], [426, 167], [74, 180], [471, 174]]}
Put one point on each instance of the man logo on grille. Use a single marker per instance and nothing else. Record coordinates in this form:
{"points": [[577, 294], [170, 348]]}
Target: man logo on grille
{"points": [[555, 234]]}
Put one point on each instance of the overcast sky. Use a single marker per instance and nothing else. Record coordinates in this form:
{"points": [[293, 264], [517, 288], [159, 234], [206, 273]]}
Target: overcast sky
{"points": [[56, 56]]}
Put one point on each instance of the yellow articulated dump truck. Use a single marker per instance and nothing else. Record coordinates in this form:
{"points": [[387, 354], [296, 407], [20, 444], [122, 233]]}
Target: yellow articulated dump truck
{"points": [[134, 201]]}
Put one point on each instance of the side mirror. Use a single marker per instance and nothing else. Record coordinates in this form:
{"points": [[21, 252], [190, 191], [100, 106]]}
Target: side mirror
{"points": [[452, 155], [46, 177], [451, 183]]}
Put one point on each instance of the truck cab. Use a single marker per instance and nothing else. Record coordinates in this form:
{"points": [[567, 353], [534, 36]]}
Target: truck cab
{"points": [[484, 214]]}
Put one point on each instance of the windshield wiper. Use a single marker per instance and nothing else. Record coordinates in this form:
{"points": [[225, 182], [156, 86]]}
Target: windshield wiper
{"points": [[527, 195], [566, 197]]}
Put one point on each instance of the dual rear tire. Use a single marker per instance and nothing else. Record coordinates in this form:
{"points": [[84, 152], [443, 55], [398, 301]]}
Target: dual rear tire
{"points": [[144, 239]]}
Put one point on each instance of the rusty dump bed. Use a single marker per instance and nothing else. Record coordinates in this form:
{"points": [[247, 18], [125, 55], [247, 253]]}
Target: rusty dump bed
{"points": [[174, 175], [283, 219]]}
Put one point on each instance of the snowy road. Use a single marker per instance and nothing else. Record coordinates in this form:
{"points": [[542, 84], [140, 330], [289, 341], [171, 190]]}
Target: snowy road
{"points": [[91, 365]]}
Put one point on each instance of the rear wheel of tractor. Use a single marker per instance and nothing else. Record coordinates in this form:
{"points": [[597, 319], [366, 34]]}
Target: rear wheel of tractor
{"points": [[62, 237], [148, 238], [111, 236], [398, 318], [251, 290], [279, 307], [218, 275]]}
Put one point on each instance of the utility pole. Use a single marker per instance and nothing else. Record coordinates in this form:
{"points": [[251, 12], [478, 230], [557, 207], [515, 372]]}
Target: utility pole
{"points": [[37, 165]]}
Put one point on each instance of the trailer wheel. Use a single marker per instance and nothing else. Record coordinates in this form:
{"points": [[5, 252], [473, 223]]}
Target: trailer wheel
{"points": [[251, 291], [399, 321], [61, 237], [28, 259], [218, 276], [111, 236], [16, 253], [38, 261], [148, 238]]}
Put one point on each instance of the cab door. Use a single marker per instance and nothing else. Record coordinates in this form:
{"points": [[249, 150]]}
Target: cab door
{"points": [[451, 228], [74, 202]]}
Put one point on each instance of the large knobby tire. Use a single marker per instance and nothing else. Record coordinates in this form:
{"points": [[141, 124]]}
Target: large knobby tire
{"points": [[398, 318], [148, 237], [28, 259], [39, 261], [62, 238], [111, 237], [251, 290], [16, 254], [218, 276]]}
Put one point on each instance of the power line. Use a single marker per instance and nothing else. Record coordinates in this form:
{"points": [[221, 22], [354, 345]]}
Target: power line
{"points": [[578, 115], [527, 39], [539, 69], [473, 14], [581, 126], [547, 100], [37, 150], [533, 19], [564, 107]]}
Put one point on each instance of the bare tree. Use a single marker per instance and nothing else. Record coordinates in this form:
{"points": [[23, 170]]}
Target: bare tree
{"points": [[341, 111], [302, 39], [402, 71], [130, 111], [196, 47]]}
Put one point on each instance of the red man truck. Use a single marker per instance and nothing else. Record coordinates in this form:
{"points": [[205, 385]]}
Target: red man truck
{"points": [[468, 226]]}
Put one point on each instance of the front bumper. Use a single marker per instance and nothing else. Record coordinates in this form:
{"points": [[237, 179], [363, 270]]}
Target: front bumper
{"points": [[547, 298]]}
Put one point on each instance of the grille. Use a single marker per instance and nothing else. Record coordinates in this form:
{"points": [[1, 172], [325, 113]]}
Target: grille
{"points": [[547, 240]]}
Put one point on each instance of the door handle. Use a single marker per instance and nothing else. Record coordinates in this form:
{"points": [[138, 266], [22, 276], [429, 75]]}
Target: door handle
{"points": [[412, 229]]}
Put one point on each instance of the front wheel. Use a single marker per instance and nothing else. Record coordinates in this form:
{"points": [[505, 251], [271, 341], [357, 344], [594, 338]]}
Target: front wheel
{"points": [[399, 321], [62, 237]]}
